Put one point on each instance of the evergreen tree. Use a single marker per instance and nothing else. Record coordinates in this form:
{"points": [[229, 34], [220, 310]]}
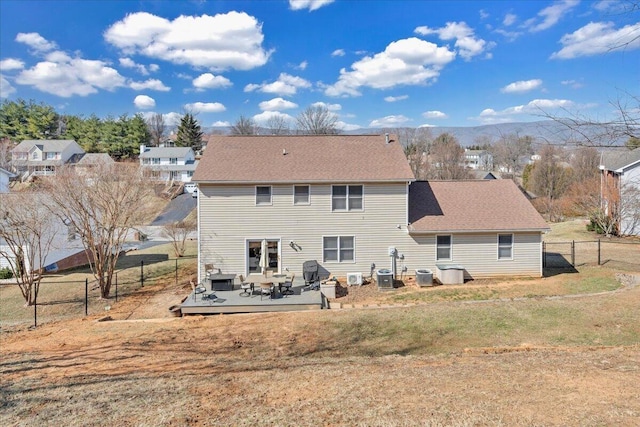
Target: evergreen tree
{"points": [[189, 133]]}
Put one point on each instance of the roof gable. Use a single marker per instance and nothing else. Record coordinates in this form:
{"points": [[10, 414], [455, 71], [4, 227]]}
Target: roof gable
{"points": [[303, 158], [471, 206], [618, 160]]}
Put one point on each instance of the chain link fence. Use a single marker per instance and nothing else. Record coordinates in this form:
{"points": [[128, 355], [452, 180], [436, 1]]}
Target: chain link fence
{"points": [[571, 254]]}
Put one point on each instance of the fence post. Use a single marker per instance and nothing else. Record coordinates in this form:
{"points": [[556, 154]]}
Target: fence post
{"points": [[35, 310], [176, 271], [86, 297], [544, 254], [573, 253], [116, 286], [142, 273], [598, 251]]}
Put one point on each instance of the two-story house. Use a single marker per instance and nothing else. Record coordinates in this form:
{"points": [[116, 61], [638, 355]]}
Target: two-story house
{"points": [[169, 163], [351, 202], [43, 157], [478, 159], [620, 189]]}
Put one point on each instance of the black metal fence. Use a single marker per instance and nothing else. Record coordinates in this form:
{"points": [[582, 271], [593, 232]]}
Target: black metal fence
{"points": [[59, 299], [570, 254]]}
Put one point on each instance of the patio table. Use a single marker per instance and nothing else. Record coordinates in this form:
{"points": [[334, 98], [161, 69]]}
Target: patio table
{"points": [[276, 279]]}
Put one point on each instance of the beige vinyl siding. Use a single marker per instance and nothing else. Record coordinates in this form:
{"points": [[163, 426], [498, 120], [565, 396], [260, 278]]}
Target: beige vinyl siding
{"points": [[229, 215], [478, 254]]}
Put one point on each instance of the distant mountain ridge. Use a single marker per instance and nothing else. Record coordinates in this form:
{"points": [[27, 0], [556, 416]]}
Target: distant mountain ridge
{"points": [[542, 132]]}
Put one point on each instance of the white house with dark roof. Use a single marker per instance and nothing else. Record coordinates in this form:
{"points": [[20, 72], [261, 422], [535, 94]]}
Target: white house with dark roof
{"points": [[346, 201], [169, 163], [478, 159], [620, 189], [43, 157]]}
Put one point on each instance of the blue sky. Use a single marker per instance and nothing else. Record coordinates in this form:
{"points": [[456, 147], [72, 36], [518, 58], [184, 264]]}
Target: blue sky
{"points": [[372, 63]]}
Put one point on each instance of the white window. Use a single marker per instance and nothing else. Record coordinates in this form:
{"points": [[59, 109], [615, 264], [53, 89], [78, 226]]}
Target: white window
{"points": [[174, 175], [505, 246], [189, 174], [300, 194], [22, 156], [145, 161], [346, 198], [263, 195], [34, 155], [52, 156], [338, 249], [173, 160], [156, 161], [443, 247]]}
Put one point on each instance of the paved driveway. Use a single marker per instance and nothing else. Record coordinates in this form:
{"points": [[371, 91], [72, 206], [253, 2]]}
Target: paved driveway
{"points": [[176, 210]]}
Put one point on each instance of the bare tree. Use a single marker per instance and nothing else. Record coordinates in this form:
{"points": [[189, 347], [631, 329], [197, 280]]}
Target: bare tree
{"points": [[317, 120], [585, 162], [244, 126], [416, 143], [549, 179], [508, 151], [447, 158], [5, 153], [178, 232], [102, 204], [26, 237], [278, 125], [157, 128]]}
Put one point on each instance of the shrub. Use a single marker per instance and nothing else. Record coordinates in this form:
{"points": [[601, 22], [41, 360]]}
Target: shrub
{"points": [[6, 273]]}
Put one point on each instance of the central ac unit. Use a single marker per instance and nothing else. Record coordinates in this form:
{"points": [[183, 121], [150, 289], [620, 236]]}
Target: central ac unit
{"points": [[354, 279]]}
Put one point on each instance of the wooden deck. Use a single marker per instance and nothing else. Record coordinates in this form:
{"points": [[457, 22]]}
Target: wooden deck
{"points": [[231, 302]]}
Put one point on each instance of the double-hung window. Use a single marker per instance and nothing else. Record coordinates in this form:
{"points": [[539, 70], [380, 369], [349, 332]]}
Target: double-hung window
{"points": [[505, 246], [443, 247], [300, 194], [263, 195], [346, 198], [156, 160], [173, 160], [338, 249]]}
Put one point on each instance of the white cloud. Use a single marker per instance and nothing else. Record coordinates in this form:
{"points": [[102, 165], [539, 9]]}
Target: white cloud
{"points": [[220, 124], [396, 98], [263, 118], [338, 52], [5, 88], [209, 81], [389, 121], [597, 38], [509, 19], [347, 126], [205, 107], [574, 84], [229, 40], [434, 114], [308, 4], [303, 65], [550, 15], [286, 85], [10, 64], [404, 62], [142, 69], [536, 107], [330, 107], [71, 76], [151, 84], [36, 42], [522, 86], [144, 102], [467, 44], [277, 104]]}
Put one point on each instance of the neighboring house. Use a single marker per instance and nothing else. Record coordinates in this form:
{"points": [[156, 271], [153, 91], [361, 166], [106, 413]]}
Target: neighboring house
{"points": [[480, 174], [169, 163], [5, 177], [345, 201], [478, 159], [43, 157], [620, 189]]}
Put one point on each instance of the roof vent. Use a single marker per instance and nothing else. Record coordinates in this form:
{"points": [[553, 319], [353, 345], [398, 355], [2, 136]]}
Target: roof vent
{"points": [[386, 137], [284, 152]]}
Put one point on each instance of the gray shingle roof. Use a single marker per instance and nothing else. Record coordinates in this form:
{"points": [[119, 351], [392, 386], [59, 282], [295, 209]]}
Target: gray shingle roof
{"points": [[48, 145], [178, 152], [614, 160], [471, 206], [303, 158]]}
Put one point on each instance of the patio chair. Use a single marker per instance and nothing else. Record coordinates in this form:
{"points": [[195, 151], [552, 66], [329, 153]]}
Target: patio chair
{"points": [[245, 286], [209, 270], [288, 285], [266, 289]]}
